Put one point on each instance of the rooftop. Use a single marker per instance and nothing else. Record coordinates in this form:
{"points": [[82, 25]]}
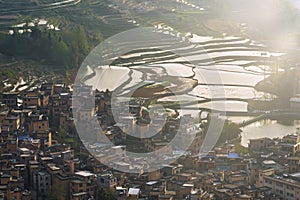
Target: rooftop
{"points": [[134, 191], [151, 183], [84, 173]]}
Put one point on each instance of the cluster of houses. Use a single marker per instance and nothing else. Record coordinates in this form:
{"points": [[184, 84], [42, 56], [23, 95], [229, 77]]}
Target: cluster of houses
{"points": [[36, 164]]}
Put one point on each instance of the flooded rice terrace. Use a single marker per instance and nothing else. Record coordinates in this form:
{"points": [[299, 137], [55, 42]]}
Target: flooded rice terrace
{"points": [[240, 63], [205, 73]]}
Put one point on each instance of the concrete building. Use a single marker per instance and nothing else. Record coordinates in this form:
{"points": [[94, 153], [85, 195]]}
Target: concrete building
{"points": [[106, 180], [290, 144], [286, 186], [41, 182], [10, 99]]}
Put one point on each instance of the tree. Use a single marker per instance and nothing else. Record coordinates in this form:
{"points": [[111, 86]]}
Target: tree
{"points": [[230, 131], [35, 33]]}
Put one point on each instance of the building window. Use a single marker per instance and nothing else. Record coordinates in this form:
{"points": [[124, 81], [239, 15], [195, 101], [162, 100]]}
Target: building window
{"points": [[279, 184], [290, 187], [268, 181]]}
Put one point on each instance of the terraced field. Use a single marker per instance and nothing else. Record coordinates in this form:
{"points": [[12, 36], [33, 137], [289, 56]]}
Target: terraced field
{"points": [[240, 61], [12, 11], [21, 6], [95, 15], [205, 73]]}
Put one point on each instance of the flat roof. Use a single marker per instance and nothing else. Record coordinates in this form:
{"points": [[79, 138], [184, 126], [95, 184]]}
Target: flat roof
{"points": [[134, 191], [269, 162], [151, 183], [53, 167], [79, 194], [46, 158], [24, 149], [296, 175], [188, 185], [120, 188], [84, 173], [43, 173]]}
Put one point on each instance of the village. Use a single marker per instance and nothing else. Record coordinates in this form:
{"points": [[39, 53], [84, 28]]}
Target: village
{"points": [[42, 155]]}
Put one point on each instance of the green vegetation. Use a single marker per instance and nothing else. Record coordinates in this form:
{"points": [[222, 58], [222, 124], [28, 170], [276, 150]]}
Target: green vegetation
{"points": [[278, 83], [65, 48], [239, 148], [230, 132], [82, 26]]}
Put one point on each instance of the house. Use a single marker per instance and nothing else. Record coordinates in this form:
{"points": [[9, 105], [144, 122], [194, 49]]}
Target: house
{"points": [[261, 174], [286, 186], [172, 169], [12, 122], [259, 145], [41, 182], [10, 99], [85, 182], [133, 193], [31, 99], [63, 181], [290, 144], [38, 123], [106, 180]]}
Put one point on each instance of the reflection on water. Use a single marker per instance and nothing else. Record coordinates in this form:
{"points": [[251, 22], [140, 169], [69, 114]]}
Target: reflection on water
{"points": [[108, 77], [266, 128], [229, 77], [239, 63], [230, 92], [231, 58], [235, 106]]}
